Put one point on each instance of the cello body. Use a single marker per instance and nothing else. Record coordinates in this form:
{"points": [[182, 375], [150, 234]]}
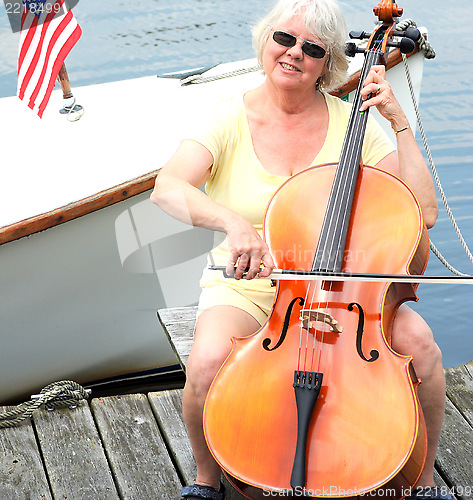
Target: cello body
{"points": [[365, 432]]}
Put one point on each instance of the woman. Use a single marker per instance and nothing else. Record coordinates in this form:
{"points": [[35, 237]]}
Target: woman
{"points": [[248, 148]]}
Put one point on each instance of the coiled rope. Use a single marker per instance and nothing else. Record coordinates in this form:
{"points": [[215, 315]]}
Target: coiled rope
{"points": [[73, 111], [65, 393], [424, 45], [435, 250]]}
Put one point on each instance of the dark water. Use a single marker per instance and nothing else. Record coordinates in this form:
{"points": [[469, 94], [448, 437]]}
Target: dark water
{"points": [[124, 40]]}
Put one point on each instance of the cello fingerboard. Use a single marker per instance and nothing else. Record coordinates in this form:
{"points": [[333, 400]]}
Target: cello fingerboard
{"points": [[331, 245]]}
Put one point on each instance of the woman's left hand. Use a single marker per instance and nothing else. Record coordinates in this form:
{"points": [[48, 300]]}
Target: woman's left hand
{"points": [[382, 96]]}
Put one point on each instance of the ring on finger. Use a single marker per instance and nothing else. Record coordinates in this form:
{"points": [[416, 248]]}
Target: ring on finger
{"points": [[379, 89]]}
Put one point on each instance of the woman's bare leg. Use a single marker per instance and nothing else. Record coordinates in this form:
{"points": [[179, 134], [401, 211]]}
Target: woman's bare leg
{"points": [[412, 336], [214, 330]]}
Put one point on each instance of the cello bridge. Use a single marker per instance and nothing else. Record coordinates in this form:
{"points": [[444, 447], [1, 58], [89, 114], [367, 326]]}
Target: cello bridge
{"points": [[311, 316]]}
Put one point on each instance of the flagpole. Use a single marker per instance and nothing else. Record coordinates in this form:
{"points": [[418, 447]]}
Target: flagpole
{"points": [[69, 100], [63, 79]]}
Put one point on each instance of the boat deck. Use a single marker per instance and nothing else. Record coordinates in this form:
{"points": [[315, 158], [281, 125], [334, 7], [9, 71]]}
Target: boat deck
{"points": [[136, 446]]}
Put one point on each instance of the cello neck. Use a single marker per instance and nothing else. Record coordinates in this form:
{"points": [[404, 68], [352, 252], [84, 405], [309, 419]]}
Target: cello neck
{"points": [[330, 249]]}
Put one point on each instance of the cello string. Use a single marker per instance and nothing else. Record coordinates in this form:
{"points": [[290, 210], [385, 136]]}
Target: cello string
{"points": [[344, 177], [304, 310], [324, 250], [360, 127], [353, 152], [350, 170], [351, 138], [332, 221]]}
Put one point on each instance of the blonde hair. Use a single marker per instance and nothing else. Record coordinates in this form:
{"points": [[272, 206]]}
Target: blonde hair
{"points": [[324, 20]]}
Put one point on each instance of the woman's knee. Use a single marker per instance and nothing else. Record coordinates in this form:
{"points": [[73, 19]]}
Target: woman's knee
{"points": [[201, 369], [412, 336], [212, 343]]}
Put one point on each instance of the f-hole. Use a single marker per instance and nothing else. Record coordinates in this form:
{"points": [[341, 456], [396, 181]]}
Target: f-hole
{"points": [[285, 327], [359, 334]]}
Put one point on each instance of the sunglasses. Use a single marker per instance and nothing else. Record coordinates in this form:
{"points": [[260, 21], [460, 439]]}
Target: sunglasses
{"points": [[309, 48]]}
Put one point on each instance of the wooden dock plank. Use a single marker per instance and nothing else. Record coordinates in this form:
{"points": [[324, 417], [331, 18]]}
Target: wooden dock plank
{"points": [[135, 448], [73, 455], [178, 323], [22, 476], [167, 406], [460, 389], [455, 453]]}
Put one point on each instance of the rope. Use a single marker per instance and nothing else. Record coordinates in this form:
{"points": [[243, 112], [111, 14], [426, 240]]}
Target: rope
{"points": [[206, 79], [74, 111], [444, 261], [434, 249], [61, 394]]}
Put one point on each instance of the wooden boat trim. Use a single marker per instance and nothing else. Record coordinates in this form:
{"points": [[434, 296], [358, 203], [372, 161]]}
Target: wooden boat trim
{"points": [[133, 187], [77, 209]]}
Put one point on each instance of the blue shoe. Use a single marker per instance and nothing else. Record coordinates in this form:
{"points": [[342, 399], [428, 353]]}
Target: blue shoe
{"points": [[197, 491]]}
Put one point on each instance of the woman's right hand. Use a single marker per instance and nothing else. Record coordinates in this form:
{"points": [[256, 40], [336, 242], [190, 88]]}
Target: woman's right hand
{"points": [[176, 193], [247, 250]]}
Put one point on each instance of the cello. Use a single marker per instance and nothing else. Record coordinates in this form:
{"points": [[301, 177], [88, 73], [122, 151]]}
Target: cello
{"points": [[317, 403]]}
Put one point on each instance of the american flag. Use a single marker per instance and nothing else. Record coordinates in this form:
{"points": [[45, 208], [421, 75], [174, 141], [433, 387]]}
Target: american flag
{"points": [[48, 33]]}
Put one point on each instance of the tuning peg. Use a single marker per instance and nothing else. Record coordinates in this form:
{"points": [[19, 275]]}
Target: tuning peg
{"points": [[359, 35], [411, 33], [351, 49], [406, 45]]}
